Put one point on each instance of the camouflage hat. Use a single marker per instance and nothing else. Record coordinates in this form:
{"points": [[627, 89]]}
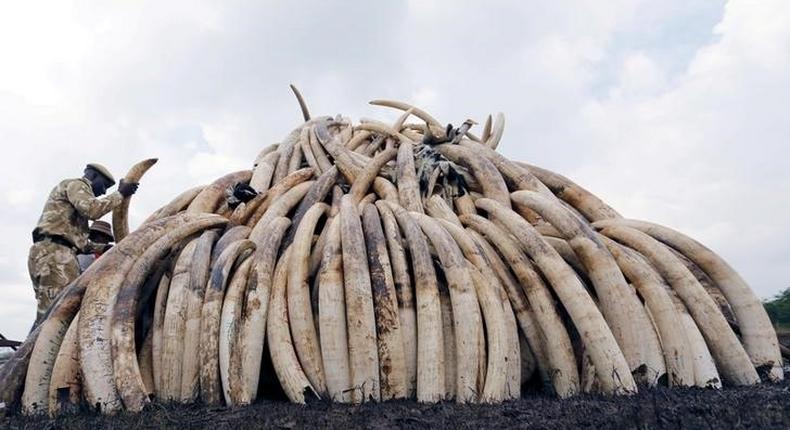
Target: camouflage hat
{"points": [[102, 227], [104, 171]]}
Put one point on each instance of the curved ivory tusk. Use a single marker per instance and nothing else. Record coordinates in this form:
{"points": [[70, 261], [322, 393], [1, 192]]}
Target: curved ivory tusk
{"points": [[385, 190], [280, 207], [309, 156], [404, 293], [264, 152], [619, 304], [650, 285], [210, 386], [731, 358], [593, 208], [296, 158], [486, 130], [174, 324], [363, 181], [214, 194], [286, 151], [419, 113], [332, 318], [317, 193], [302, 104], [464, 205], [263, 172], [318, 151], [448, 337], [249, 213], [230, 317], [96, 312], [286, 365], [359, 138], [65, 387], [344, 157], [383, 129], [178, 204], [563, 372], [705, 373], [517, 177], [430, 350], [398, 124], [498, 130], [200, 268], [120, 215], [392, 360], [300, 313], [759, 336], [128, 379], [253, 330], [160, 307], [408, 187], [468, 320], [229, 236], [316, 254], [497, 372], [493, 311], [439, 209], [145, 358], [611, 367], [363, 353], [518, 301], [483, 170]]}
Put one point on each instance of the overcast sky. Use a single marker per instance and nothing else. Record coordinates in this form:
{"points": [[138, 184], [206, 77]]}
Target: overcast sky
{"points": [[671, 111]]}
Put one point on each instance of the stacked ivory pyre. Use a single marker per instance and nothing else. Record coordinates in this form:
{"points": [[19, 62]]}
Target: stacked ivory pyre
{"points": [[384, 261]]}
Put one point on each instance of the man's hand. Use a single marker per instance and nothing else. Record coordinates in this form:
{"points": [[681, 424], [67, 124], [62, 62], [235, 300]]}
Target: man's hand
{"points": [[127, 189]]}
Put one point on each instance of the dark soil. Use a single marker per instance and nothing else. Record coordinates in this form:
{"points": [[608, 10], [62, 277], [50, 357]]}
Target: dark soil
{"points": [[763, 407]]}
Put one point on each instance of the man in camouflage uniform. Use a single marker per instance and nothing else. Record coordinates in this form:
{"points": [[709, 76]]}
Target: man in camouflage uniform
{"points": [[100, 234], [62, 231]]}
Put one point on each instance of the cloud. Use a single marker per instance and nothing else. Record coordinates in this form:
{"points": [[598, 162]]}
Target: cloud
{"points": [[671, 111]]}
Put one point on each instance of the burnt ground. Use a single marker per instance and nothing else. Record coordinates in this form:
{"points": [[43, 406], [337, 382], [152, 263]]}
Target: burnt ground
{"points": [[763, 407]]}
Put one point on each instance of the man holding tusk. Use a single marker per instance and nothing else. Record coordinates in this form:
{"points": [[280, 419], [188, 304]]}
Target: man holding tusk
{"points": [[62, 231]]}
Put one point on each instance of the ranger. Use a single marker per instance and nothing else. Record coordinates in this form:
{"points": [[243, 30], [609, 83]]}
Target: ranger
{"points": [[62, 231], [101, 235]]}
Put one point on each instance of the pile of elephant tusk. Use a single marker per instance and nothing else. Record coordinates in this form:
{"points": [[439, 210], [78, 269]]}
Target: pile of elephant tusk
{"points": [[384, 261]]}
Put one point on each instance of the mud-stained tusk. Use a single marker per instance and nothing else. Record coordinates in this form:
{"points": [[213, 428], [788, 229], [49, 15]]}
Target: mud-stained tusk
{"points": [[620, 306], [289, 372], [759, 336], [731, 358], [559, 353], [392, 360], [300, 314], [360, 317], [430, 349]]}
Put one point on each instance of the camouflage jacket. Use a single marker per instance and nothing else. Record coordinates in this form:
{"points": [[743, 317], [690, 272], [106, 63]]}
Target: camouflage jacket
{"points": [[69, 207]]}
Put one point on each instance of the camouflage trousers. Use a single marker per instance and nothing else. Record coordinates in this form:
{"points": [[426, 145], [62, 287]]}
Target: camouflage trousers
{"points": [[52, 266]]}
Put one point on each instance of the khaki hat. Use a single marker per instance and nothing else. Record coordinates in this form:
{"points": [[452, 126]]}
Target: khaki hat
{"points": [[102, 227], [103, 170]]}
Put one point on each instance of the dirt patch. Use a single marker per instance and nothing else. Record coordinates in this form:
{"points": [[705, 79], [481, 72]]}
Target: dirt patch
{"points": [[764, 407]]}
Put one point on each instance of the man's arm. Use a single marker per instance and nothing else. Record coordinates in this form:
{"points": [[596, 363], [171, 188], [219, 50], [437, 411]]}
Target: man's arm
{"points": [[81, 196]]}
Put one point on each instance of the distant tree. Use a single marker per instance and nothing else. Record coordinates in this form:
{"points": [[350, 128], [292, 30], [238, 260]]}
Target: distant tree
{"points": [[778, 308]]}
